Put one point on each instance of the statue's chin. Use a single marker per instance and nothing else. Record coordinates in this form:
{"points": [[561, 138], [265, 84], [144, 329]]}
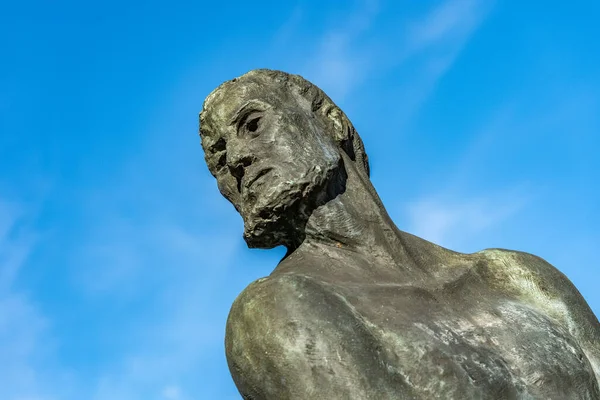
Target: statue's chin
{"points": [[266, 229], [262, 237], [274, 220]]}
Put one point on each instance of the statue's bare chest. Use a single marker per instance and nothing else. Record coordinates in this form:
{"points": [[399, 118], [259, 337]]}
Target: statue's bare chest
{"points": [[486, 346]]}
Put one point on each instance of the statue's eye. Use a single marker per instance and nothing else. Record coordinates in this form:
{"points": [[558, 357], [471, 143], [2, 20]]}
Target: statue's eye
{"points": [[251, 125]]}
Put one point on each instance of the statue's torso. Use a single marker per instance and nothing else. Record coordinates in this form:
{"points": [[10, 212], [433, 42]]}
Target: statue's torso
{"points": [[468, 337], [476, 347]]}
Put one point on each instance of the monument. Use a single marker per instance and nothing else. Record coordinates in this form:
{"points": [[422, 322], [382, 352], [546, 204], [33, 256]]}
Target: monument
{"points": [[358, 309]]}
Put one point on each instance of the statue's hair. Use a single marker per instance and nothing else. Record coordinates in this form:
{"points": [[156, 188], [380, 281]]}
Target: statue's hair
{"points": [[345, 134]]}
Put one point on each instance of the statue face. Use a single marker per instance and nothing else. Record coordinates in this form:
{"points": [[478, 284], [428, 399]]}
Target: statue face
{"points": [[277, 155]]}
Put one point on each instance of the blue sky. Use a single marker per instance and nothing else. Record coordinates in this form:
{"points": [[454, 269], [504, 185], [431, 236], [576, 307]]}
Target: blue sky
{"points": [[119, 259]]}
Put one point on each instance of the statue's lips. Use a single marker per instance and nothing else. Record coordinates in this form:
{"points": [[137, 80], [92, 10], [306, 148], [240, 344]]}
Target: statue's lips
{"points": [[258, 175]]}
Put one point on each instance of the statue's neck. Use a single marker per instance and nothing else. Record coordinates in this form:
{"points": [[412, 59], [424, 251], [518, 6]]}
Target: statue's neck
{"points": [[356, 219]]}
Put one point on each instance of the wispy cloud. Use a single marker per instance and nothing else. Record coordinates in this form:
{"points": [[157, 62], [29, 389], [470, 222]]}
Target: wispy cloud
{"points": [[24, 331], [341, 60], [286, 31], [449, 24], [456, 212], [434, 42], [457, 222], [353, 47], [159, 274], [15, 245], [336, 66], [156, 282], [518, 131], [179, 271], [442, 34], [172, 392]]}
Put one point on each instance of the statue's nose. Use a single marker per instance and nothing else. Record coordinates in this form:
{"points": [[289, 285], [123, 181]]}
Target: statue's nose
{"points": [[238, 159]]}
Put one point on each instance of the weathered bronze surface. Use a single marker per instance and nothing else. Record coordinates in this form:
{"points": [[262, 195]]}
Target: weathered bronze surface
{"points": [[358, 309]]}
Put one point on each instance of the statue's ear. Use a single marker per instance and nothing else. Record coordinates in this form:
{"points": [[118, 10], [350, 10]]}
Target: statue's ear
{"points": [[343, 133], [339, 123]]}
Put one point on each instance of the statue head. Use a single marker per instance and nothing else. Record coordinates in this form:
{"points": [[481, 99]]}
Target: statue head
{"points": [[275, 143]]}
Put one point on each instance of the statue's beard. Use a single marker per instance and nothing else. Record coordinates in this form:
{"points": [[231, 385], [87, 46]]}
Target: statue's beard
{"points": [[277, 211]]}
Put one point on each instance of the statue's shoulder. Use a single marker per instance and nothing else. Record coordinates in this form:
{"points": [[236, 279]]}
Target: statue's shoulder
{"points": [[527, 273], [278, 289], [274, 304], [539, 284], [517, 267], [284, 333]]}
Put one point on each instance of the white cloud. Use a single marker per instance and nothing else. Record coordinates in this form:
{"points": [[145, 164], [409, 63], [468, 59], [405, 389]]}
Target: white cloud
{"points": [[25, 341], [335, 66], [172, 338], [180, 269], [171, 392], [352, 48], [434, 42], [15, 244], [340, 61], [453, 223], [452, 22], [286, 31]]}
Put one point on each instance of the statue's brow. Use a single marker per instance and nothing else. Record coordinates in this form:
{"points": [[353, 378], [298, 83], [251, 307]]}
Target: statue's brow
{"points": [[251, 104]]}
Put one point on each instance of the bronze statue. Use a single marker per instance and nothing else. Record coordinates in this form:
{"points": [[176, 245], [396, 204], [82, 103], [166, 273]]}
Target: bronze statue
{"points": [[358, 309]]}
